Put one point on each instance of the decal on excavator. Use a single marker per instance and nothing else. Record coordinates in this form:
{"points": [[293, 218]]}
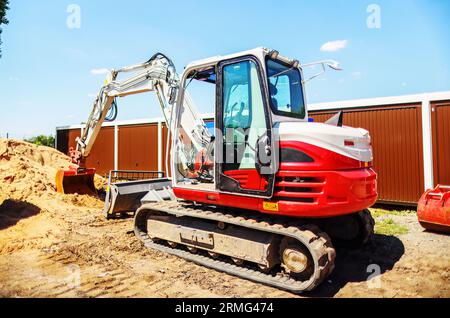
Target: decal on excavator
{"points": [[270, 206]]}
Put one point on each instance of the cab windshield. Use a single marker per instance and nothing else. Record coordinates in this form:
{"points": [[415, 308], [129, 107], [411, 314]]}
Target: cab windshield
{"points": [[285, 89]]}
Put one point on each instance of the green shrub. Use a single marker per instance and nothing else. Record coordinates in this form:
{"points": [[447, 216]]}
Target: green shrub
{"points": [[42, 140]]}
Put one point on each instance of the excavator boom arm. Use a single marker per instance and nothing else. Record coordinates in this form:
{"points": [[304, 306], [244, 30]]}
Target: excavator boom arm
{"points": [[157, 74]]}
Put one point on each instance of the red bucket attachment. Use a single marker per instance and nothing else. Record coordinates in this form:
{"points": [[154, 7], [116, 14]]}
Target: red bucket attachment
{"points": [[433, 209], [76, 180]]}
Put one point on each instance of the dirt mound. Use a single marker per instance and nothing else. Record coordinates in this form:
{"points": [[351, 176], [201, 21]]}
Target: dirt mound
{"points": [[31, 211], [28, 170]]}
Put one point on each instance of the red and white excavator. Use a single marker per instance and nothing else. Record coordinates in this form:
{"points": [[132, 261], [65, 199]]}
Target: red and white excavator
{"points": [[265, 197]]}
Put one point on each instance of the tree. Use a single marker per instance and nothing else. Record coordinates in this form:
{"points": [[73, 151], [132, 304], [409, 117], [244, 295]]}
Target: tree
{"points": [[42, 140], [3, 8]]}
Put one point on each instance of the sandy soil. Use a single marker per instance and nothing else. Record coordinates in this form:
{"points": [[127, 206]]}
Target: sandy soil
{"points": [[54, 245]]}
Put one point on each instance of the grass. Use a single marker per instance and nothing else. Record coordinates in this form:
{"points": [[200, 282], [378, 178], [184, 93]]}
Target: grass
{"points": [[386, 225], [389, 227], [380, 212]]}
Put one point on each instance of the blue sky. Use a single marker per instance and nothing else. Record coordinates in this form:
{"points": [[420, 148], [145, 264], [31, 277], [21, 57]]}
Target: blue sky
{"points": [[46, 75]]}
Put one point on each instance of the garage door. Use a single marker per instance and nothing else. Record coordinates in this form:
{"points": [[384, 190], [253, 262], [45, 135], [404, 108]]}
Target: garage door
{"points": [[440, 120], [102, 154], [138, 147], [397, 145]]}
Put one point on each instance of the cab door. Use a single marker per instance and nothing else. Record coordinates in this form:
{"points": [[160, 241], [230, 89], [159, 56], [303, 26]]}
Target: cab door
{"points": [[246, 158]]}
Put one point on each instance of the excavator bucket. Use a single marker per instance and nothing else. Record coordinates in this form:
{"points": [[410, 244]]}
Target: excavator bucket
{"points": [[127, 189], [128, 196], [73, 180], [433, 209]]}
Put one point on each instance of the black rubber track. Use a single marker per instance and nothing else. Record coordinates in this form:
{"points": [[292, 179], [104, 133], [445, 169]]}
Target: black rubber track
{"points": [[317, 242]]}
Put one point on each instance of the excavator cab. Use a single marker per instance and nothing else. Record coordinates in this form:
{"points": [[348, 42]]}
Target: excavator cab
{"points": [[249, 89]]}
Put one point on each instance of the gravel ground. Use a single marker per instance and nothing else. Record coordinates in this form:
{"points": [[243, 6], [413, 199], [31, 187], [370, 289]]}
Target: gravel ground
{"points": [[72, 251]]}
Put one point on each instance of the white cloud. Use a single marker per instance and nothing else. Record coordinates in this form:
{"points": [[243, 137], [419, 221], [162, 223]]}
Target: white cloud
{"points": [[404, 84], [99, 71], [334, 46], [356, 75]]}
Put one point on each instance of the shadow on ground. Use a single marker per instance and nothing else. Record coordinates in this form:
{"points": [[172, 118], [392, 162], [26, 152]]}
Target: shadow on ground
{"points": [[352, 265], [12, 211]]}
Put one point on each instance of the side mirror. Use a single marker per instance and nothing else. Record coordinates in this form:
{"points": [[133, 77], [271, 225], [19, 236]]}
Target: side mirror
{"points": [[334, 65], [330, 63]]}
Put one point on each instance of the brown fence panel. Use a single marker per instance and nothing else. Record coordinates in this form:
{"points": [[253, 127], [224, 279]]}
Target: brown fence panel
{"points": [[102, 154], [396, 133], [138, 147], [440, 121]]}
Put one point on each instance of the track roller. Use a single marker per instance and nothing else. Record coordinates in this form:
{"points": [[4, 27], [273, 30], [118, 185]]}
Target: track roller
{"points": [[172, 244], [193, 250], [296, 260]]}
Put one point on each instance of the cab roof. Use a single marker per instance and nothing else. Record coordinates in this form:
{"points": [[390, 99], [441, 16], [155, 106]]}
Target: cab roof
{"points": [[259, 52]]}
